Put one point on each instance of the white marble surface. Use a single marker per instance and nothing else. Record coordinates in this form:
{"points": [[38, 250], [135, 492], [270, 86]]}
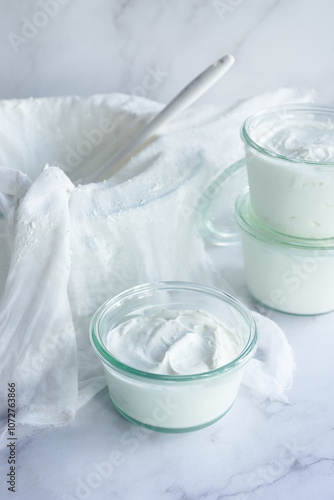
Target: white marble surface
{"points": [[260, 449]]}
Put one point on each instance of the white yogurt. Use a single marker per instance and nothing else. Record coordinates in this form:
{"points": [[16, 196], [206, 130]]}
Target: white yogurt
{"points": [[287, 274], [173, 353], [301, 141], [174, 406], [174, 343], [290, 164]]}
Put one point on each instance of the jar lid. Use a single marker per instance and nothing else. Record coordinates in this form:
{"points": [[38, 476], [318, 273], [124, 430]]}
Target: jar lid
{"points": [[249, 222], [214, 214]]}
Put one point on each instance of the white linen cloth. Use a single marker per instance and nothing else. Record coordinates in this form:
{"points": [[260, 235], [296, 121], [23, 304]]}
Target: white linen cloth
{"points": [[73, 246]]}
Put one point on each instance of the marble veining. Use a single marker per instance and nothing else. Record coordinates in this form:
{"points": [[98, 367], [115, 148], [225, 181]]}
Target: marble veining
{"points": [[260, 450]]}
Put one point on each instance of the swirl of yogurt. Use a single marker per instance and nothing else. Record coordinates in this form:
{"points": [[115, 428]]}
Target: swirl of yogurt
{"points": [[301, 143], [173, 342]]}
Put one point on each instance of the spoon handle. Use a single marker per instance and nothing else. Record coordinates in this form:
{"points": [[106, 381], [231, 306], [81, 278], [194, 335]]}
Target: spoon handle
{"points": [[182, 101]]}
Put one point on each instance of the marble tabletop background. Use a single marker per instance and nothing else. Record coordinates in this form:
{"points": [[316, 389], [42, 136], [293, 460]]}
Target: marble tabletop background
{"points": [[260, 450]]}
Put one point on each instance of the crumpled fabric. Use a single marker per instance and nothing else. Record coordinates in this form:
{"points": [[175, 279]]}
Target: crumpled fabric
{"points": [[66, 247]]}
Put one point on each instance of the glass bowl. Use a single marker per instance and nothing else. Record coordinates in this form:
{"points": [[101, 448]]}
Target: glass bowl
{"points": [[285, 273], [290, 163], [173, 403]]}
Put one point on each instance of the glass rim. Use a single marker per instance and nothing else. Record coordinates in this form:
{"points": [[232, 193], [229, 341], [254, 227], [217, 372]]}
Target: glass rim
{"points": [[298, 108], [249, 222], [110, 361]]}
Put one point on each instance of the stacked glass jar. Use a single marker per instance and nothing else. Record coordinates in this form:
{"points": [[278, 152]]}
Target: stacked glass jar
{"points": [[286, 216]]}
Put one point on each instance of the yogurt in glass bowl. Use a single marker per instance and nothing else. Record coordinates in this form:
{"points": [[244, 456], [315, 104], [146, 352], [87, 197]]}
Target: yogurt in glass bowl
{"points": [[285, 273], [173, 353], [290, 163]]}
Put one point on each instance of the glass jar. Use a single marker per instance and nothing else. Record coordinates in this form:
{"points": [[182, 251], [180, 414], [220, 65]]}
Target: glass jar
{"points": [[173, 403], [289, 274], [290, 163]]}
